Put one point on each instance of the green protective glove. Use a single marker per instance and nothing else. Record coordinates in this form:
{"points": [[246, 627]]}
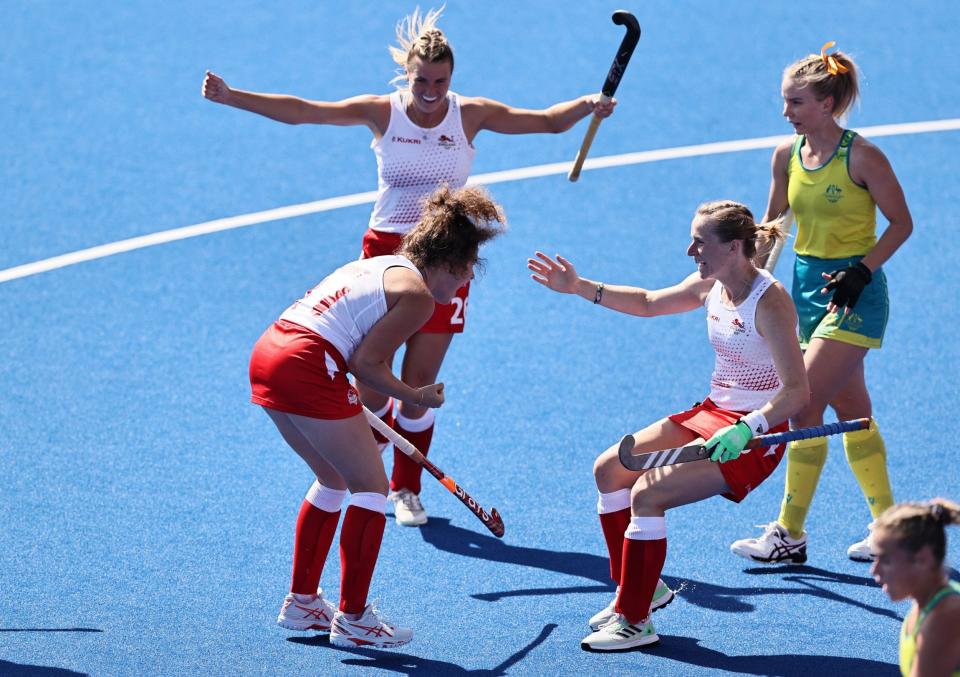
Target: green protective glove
{"points": [[727, 443]]}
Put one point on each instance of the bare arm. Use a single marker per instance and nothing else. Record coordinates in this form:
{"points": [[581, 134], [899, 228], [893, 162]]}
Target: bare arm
{"points": [[777, 322], [938, 651], [777, 201], [372, 110], [411, 308], [869, 166], [480, 113], [560, 276]]}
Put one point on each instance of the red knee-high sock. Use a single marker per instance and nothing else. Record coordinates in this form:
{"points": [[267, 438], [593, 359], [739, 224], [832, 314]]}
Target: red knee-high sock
{"points": [[614, 524], [644, 552], [385, 415], [359, 547], [311, 543], [406, 473]]}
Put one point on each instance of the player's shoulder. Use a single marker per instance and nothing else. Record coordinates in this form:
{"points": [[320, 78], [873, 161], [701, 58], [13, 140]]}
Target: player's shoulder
{"points": [[866, 149], [783, 148], [777, 300], [400, 279]]}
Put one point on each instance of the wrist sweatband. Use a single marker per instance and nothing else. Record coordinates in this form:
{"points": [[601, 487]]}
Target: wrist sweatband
{"points": [[757, 422]]}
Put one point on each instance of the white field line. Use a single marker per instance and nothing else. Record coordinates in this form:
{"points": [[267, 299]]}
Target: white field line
{"points": [[518, 174]]}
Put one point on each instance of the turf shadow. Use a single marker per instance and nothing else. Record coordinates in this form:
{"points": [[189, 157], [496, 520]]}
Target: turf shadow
{"points": [[50, 630], [408, 664], [443, 535], [808, 578], [687, 650], [9, 669]]}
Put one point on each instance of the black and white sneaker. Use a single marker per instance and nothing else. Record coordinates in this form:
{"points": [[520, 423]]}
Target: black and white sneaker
{"points": [[619, 634], [775, 546]]}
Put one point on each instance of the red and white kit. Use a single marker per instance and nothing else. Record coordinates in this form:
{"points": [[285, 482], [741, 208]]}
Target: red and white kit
{"points": [[411, 162], [744, 378], [299, 365]]}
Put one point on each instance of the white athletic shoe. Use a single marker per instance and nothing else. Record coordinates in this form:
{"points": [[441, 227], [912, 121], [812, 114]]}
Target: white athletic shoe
{"points": [[371, 629], [314, 615], [862, 551], [662, 596], [407, 508], [775, 546], [620, 635]]}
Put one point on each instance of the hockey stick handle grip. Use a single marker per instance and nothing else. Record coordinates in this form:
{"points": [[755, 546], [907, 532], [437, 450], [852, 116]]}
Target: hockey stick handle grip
{"points": [[398, 440], [809, 433], [610, 84], [587, 142]]}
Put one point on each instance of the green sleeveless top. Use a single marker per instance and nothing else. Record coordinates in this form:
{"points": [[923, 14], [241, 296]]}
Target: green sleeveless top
{"points": [[908, 641], [836, 217]]}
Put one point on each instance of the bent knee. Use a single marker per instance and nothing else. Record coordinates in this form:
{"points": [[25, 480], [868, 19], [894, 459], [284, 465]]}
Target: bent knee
{"points": [[646, 496], [609, 474]]}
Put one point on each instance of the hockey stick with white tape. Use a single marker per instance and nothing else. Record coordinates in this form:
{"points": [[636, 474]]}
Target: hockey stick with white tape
{"points": [[698, 452]]}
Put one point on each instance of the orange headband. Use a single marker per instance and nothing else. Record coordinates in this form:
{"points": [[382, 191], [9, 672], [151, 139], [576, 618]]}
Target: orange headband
{"points": [[834, 67]]}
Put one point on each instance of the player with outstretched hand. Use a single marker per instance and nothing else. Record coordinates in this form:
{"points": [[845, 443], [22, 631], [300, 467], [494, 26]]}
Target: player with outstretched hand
{"points": [[423, 136], [911, 543], [833, 180], [351, 323], [757, 383]]}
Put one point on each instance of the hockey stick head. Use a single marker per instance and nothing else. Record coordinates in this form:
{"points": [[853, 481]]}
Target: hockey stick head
{"points": [[624, 18], [626, 452], [656, 459], [624, 52], [495, 525]]}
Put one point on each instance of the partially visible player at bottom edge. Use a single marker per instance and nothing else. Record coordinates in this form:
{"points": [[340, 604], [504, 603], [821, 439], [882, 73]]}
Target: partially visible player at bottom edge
{"points": [[911, 544], [758, 382], [352, 322]]}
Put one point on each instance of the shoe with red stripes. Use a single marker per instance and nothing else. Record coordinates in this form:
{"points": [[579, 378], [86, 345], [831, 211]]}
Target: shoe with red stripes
{"points": [[315, 614], [371, 629]]}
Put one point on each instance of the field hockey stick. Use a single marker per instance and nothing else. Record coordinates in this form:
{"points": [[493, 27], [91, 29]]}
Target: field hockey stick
{"points": [[620, 61], [787, 227], [491, 520], [698, 452]]}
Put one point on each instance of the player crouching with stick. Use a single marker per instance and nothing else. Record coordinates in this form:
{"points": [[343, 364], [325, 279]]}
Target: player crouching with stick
{"points": [[352, 322], [758, 382]]}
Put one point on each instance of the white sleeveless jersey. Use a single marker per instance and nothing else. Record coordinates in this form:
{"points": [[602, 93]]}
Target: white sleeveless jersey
{"points": [[413, 161], [347, 303], [744, 377]]}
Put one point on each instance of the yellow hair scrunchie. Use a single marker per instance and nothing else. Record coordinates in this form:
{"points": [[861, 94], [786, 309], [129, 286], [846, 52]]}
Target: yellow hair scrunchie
{"points": [[834, 67]]}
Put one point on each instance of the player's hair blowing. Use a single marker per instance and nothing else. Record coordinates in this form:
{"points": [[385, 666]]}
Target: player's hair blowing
{"points": [[734, 221], [811, 71], [915, 525], [418, 36], [453, 225]]}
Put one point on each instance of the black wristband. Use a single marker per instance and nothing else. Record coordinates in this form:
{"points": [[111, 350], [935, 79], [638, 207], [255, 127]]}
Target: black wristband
{"points": [[863, 270], [599, 293]]}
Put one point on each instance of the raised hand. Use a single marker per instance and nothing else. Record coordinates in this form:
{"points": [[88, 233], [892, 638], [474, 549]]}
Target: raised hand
{"points": [[558, 275], [602, 108], [214, 88]]}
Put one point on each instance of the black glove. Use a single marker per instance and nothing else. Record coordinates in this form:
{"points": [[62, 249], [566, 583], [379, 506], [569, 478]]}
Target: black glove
{"points": [[847, 284]]}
